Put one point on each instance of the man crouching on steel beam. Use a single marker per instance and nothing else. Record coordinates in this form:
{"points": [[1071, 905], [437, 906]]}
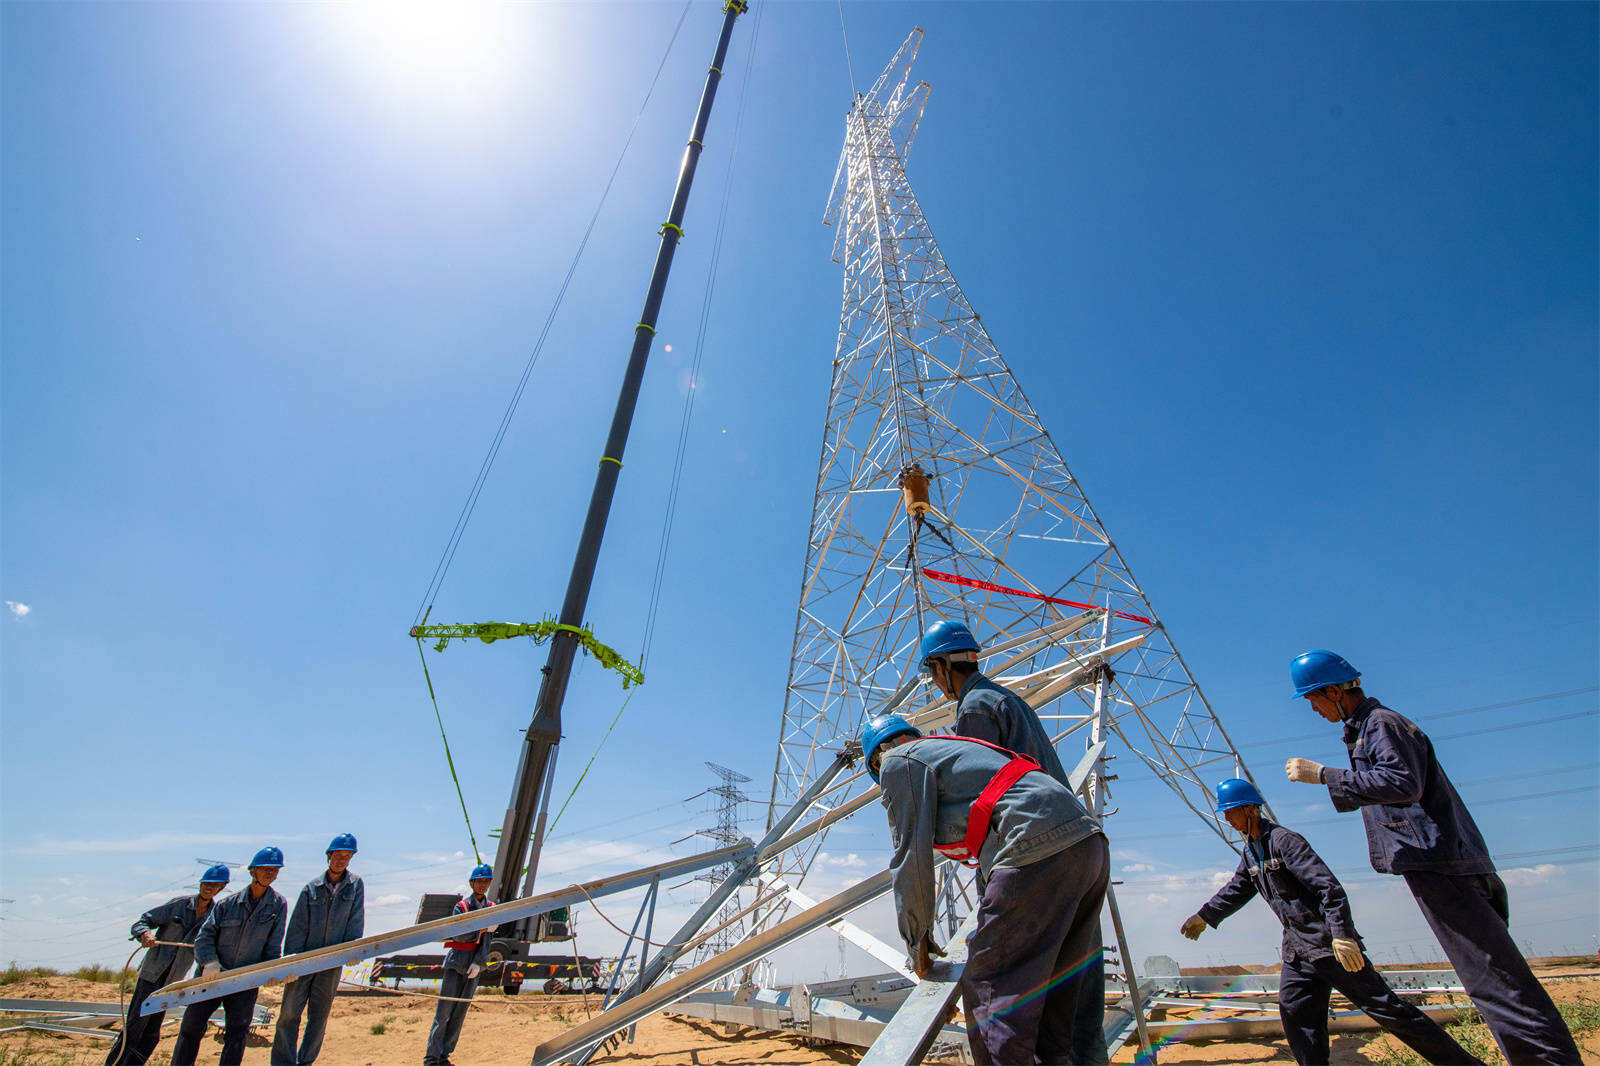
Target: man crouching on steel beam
{"points": [[1035, 953], [1321, 949]]}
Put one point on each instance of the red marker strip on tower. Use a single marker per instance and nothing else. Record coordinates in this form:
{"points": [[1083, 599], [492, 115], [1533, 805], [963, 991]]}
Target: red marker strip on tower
{"points": [[974, 583]]}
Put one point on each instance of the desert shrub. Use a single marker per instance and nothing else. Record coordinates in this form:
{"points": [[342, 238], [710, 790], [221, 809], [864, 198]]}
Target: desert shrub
{"points": [[14, 973], [378, 1028]]}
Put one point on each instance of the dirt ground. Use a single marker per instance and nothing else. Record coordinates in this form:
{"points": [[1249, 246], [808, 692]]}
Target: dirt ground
{"points": [[504, 1029]]}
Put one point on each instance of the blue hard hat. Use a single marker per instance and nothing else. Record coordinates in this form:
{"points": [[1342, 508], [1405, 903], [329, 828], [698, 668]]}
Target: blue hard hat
{"points": [[217, 874], [944, 637], [343, 842], [1237, 792], [1312, 670], [878, 730], [268, 856], [481, 871]]}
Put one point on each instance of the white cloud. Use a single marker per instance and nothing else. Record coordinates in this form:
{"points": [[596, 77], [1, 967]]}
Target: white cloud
{"points": [[1138, 868], [1523, 876], [850, 861], [1156, 898], [19, 609], [391, 899]]}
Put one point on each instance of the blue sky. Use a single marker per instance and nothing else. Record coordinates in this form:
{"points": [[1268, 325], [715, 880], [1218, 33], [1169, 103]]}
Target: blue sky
{"points": [[1306, 294]]}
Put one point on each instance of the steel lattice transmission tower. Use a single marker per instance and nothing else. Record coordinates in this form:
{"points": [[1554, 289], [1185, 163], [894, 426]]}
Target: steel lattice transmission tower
{"points": [[933, 462], [726, 799]]}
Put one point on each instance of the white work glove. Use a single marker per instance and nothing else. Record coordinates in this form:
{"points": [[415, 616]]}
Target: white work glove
{"points": [[1348, 952], [147, 938], [210, 969], [472, 972], [1193, 926], [1303, 771]]}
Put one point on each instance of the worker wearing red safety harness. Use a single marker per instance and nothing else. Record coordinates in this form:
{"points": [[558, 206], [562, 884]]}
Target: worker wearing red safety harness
{"points": [[1036, 949], [463, 961]]}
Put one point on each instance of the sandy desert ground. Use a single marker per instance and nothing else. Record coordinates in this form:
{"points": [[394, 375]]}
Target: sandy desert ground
{"points": [[379, 1030]]}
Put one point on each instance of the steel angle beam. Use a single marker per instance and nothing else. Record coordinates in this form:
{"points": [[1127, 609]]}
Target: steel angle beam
{"points": [[918, 1022], [1246, 983], [1121, 1021], [57, 1006], [891, 957], [580, 1038], [182, 993], [1343, 1021]]}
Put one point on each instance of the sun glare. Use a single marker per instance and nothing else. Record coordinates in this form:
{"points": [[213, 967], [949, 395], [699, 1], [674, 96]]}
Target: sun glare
{"points": [[458, 49]]}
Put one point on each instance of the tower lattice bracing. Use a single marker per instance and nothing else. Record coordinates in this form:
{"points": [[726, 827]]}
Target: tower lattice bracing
{"points": [[938, 485]]}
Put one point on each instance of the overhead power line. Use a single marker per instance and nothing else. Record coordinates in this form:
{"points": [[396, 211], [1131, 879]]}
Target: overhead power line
{"points": [[1458, 713]]}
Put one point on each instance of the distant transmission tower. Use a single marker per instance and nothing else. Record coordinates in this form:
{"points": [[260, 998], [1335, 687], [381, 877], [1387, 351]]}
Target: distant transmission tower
{"points": [[726, 799]]}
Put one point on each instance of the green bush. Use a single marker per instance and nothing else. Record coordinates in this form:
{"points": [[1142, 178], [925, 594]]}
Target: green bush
{"points": [[14, 973], [1473, 1036], [378, 1028]]}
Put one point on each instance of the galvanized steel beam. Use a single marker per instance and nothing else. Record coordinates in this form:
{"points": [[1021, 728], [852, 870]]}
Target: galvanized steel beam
{"points": [[182, 993]]}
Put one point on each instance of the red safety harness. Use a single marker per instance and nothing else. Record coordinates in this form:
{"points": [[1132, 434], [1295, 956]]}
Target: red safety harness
{"points": [[983, 807], [467, 945]]}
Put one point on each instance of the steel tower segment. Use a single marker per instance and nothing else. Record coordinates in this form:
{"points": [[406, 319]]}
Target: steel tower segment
{"points": [[918, 383]]}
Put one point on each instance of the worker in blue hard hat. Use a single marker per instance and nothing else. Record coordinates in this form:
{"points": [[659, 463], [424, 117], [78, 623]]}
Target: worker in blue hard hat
{"points": [[464, 959], [1418, 828], [331, 910], [1321, 949], [242, 929], [168, 933], [1045, 865], [985, 709]]}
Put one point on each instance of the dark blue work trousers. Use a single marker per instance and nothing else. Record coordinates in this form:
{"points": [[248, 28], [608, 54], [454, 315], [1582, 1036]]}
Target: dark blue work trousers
{"points": [[448, 1016], [1471, 917], [237, 1010], [1303, 990], [1034, 984], [312, 996], [140, 1034]]}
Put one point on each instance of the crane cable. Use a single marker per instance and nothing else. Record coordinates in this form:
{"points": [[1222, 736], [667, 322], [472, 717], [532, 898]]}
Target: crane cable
{"points": [[447, 556], [687, 417], [658, 579]]}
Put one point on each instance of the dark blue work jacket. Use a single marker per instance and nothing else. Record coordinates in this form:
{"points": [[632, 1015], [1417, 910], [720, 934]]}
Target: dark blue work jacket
{"points": [[174, 921], [990, 711], [1284, 870], [235, 933], [327, 913], [1414, 818]]}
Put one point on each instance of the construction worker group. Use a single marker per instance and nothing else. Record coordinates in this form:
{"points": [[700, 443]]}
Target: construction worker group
{"points": [[994, 795], [255, 925]]}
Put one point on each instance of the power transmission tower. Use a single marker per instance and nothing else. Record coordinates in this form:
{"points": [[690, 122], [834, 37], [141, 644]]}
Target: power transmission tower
{"points": [[941, 494], [726, 799]]}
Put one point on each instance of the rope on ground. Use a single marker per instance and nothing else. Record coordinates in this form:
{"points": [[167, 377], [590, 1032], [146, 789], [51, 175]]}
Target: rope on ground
{"points": [[437, 717]]}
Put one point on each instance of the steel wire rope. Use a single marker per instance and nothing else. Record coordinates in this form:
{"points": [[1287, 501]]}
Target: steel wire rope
{"points": [[1440, 715], [447, 556], [681, 450], [849, 64], [653, 603]]}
